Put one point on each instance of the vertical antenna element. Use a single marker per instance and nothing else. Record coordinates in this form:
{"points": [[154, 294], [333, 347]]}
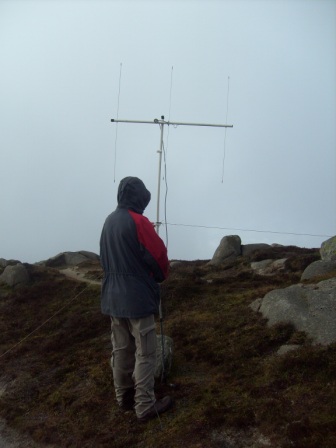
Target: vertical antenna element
{"points": [[170, 101], [227, 111], [170, 93], [116, 135]]}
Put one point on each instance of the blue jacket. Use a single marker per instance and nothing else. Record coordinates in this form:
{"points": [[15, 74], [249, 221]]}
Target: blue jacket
{"points": [[133, 256]]}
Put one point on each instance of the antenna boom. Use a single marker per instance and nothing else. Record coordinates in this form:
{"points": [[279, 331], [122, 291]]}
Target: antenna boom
{"points": [[173, 123]]}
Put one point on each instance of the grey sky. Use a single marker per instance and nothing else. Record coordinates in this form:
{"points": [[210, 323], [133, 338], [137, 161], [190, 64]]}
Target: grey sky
{"points": [[59, 82]]}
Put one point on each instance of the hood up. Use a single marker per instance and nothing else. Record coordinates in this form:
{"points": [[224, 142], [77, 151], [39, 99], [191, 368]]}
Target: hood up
{"points": [[133, 195]]}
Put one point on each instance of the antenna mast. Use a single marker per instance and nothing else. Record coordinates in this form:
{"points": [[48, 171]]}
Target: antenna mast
{"points": [[161, 122]]}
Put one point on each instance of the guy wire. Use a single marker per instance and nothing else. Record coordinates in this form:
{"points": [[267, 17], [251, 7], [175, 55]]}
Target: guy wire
{"points": [[49, 318], [165, 153], [246, 230], [116, 134], [227, 111]]}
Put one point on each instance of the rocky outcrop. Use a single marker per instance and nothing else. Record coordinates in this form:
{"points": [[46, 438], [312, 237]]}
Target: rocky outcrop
{"points": [[269, 267], [228, 249], [248, 249], [310, 308], [4, 263], [15, 275], [318, 268], [69, 259], [328, 249]]}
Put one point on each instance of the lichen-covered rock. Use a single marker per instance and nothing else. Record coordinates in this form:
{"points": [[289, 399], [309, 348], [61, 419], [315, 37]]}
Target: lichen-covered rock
{"points": [[328, 249]]}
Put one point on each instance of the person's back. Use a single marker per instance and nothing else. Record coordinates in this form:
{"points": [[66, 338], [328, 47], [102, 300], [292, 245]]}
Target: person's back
{"points": [[134, 260], [133, 257]]}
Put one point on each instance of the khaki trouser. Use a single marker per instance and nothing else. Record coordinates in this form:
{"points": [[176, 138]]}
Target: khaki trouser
{"points": [[133, 359]]}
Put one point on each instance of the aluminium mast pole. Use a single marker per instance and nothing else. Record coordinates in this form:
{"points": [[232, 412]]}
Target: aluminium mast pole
{"points": [[157, 227], [157, 224]]}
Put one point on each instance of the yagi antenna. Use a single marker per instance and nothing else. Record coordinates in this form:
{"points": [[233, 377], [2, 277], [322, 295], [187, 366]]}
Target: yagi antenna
{"points": [[161, 122]]}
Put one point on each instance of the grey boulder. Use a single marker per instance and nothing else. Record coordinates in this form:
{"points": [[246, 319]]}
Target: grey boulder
{"points": [[229, 248], [248, 249], [328, 249], [317, 268], [310, 308], [269, 267], [69, 259], [15, 275]]}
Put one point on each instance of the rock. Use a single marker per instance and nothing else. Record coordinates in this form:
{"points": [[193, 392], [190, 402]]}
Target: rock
{"points": [[309, 308], [328, 249], [168, 355], [269, 267], [229, 248], [16, 275], [287, 348], [4, 263], [54, 262], [319, 267], [89, 255], [279, 265], [260, 266], [74, 258], [255, 305], [69, 259], [175, 263], [248, 249]]}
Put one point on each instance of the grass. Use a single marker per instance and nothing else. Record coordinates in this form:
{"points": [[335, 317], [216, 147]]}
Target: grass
{"points": [[229, 386]]}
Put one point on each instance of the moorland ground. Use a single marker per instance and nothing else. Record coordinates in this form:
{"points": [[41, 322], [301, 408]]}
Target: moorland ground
{"points": [[229, 386]]}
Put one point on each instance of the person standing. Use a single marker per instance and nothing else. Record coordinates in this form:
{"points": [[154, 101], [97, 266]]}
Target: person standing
{"points": [[134, 260]]}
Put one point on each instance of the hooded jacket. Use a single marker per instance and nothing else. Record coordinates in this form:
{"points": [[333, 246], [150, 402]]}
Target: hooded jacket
{"points": [[133, 256]]}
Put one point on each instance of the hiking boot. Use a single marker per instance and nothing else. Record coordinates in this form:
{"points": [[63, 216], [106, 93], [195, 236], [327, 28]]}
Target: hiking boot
{"points": [[127, 403], [159, 407]]}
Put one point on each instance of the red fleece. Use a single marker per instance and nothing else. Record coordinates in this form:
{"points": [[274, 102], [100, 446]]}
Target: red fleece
{"points": [[151, 241]]}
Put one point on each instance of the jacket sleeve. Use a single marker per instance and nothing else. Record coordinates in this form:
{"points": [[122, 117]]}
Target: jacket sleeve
{"points": [[153, 248]]}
